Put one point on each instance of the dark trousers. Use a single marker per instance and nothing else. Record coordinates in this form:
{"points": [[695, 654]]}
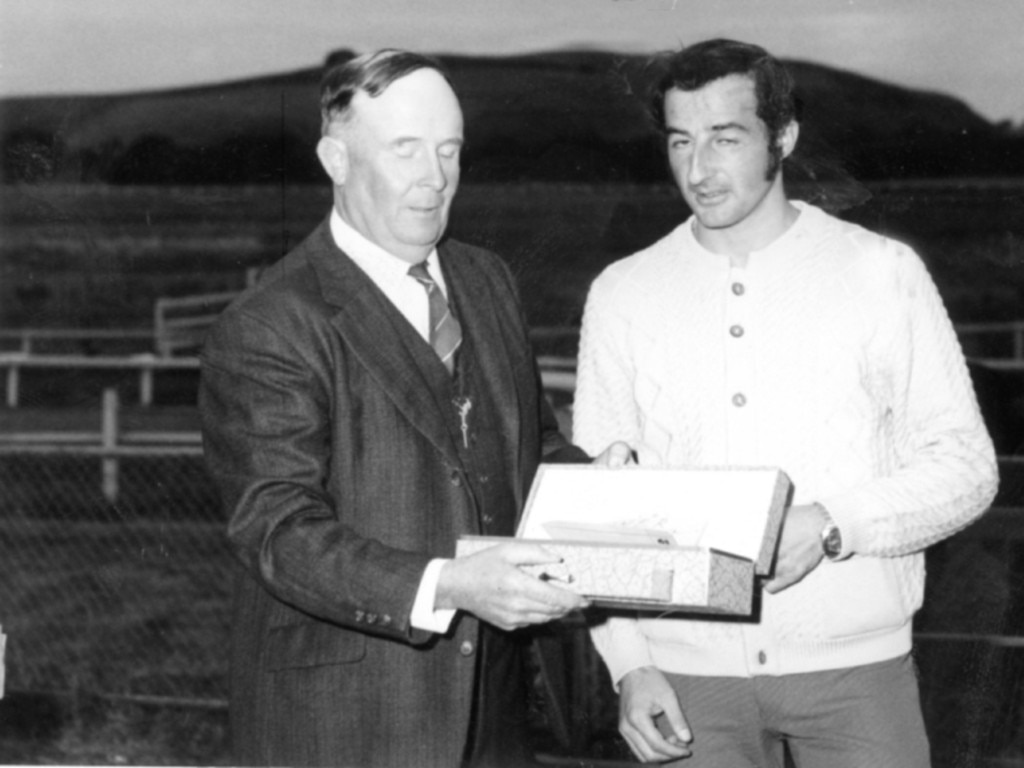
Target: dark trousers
{"points": [[499, 732]]}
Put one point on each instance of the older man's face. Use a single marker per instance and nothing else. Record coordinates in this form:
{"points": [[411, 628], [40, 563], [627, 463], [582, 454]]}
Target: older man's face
{"points": [[403, 163]]}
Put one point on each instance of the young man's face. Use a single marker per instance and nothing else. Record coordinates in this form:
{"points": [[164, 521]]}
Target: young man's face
{"points": [[402, 164], [719, 154]]}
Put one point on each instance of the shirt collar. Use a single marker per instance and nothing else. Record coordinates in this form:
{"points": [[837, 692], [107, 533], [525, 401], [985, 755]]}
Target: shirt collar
{"points": [[378, 263], [807, 215]]}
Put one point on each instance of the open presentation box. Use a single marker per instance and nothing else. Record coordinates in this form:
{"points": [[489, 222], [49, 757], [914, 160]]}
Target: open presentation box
{"points": [[654, 539]]}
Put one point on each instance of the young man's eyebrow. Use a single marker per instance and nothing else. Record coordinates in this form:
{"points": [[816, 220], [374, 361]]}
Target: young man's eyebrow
{"points": [[717, 128], [730, 126]]}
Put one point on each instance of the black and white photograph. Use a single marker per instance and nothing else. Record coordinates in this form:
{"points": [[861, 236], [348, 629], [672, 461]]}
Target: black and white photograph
{"points": [[512, 384]]}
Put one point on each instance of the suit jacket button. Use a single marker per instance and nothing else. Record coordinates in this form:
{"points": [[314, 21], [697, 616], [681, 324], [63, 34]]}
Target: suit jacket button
{"points": [[466, 649], [371, 618], [385, 620], [456, 479], [360, 615]]}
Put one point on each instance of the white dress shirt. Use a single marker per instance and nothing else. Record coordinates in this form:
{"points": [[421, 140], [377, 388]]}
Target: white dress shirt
{"points": [[391, 275]]}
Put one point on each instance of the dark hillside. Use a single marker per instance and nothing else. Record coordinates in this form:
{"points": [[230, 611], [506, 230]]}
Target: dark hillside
{"points": [[561, 116], [882, 131]]}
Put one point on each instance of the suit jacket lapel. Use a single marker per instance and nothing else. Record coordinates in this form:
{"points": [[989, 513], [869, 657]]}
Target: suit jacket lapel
{"points": [[371, 328]]}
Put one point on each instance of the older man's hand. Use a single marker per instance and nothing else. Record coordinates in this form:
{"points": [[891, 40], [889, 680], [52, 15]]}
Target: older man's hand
{"points": [[491, 585]]}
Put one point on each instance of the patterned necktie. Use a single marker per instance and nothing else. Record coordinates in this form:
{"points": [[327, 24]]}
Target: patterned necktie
{"points": [[445, 333]]}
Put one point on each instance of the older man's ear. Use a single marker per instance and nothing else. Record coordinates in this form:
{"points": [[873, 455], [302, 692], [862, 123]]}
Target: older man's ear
{"points": [[333, 154]]}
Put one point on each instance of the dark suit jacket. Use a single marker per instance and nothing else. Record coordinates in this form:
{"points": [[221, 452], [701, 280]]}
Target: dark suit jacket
{"points": [[341, 479]]}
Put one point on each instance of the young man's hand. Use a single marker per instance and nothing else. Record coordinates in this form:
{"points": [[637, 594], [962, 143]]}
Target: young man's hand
{"points": [[618, 454], [644, 696], [800, 548]]}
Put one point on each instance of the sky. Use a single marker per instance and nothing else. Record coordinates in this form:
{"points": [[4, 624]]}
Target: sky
{"points": [[970, 49]]}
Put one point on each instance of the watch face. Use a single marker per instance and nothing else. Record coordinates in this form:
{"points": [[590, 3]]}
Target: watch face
{"points": [[833, 541]]}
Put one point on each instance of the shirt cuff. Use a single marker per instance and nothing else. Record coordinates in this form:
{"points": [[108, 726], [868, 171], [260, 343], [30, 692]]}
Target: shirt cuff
{"points": [[622, 645], [423, 614]]}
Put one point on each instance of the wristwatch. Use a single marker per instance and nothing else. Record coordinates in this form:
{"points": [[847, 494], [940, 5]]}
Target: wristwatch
{"points": [[831, 540]]}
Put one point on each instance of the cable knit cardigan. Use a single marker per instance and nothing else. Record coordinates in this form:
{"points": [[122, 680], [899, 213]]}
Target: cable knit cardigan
{"points": [[828, 354]]}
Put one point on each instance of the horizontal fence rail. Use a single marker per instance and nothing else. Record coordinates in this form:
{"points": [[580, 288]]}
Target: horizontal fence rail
{"points": [[147, 366], [28, 341], [987, 341], [189, 316], [182, 323], [557, 373]]}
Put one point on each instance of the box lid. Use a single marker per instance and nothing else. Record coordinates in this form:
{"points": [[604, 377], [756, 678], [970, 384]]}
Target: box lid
{"points": [[737, 510]]}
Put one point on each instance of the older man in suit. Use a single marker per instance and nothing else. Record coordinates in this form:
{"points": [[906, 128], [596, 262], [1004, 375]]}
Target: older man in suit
{"points": [[370, 400]]}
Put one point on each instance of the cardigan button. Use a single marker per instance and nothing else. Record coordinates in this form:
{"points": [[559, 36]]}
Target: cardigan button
{"points": [[456, 479], [466, 649], [738, 289], [739, 399], [736, 331]]}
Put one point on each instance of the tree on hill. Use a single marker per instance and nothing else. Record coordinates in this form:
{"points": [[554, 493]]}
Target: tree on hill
{"points": [[31, 155]]}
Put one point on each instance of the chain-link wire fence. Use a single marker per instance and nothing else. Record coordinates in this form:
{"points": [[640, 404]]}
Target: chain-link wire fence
{"points": [[125, 598], [128, 598]]}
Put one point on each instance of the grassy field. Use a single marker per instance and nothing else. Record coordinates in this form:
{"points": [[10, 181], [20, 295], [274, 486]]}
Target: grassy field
{"points": [[117, 614]]}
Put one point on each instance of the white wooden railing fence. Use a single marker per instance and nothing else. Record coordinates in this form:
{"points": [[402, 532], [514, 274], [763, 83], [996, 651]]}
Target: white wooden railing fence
{"points": [[180, 324]]}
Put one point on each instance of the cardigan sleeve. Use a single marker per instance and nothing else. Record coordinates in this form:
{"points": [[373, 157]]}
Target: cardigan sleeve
{"points": [[622, 645], [946, 473], [603, 411]]}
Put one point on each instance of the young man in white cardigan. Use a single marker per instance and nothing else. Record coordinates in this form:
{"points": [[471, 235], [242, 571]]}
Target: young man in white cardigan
{"points": [[765, 332]]}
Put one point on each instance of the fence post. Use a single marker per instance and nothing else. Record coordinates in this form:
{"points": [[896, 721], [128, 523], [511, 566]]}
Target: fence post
{"points": [[146, 381], [109, 440], [12, 384], [159, 333]]}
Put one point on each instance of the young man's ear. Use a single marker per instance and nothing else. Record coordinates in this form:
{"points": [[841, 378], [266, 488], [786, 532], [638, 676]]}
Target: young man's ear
{"points": [[333, 154], [788, 137]]}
